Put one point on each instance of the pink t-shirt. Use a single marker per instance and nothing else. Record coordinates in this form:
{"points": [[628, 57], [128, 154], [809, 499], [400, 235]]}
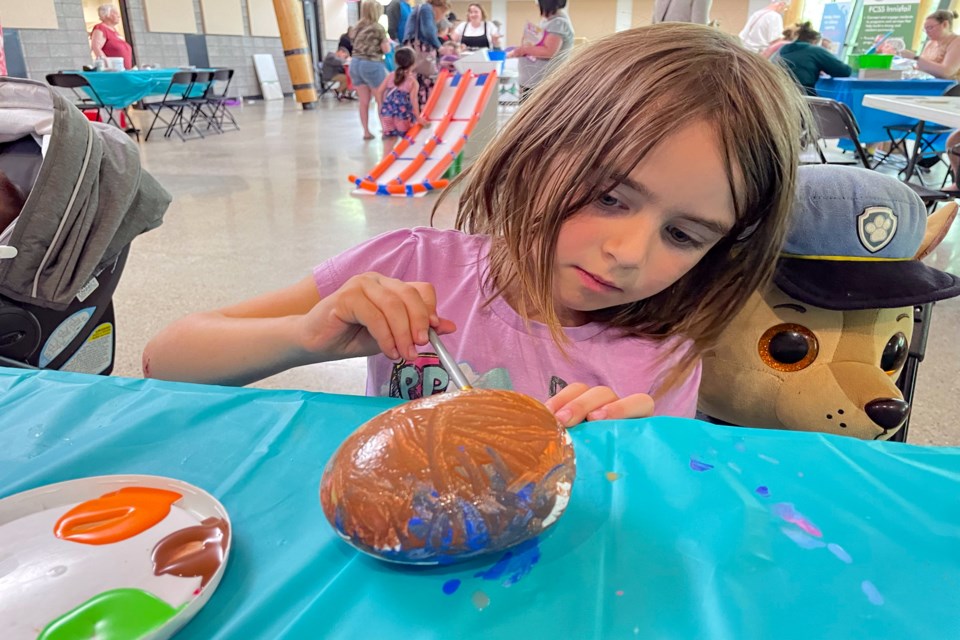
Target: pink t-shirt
{"points": [[493, 345]]}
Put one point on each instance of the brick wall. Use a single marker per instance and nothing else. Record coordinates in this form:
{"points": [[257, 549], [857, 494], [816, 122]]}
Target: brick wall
{"points": [[51, 50]]}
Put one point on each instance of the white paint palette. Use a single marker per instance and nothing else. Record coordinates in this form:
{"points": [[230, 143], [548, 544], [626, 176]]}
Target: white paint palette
{"points": [[111, 557]]}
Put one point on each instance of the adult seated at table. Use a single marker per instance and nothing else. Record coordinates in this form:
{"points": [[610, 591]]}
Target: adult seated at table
{"points": [[941, 55], [105, 42], [806, 59]]}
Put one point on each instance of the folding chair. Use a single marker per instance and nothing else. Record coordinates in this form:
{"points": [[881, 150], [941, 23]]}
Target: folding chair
{"points": [[216, 99], [927, 153], [202, 80], [175, 98], [834, 119], [83, 100], [907, 381]]}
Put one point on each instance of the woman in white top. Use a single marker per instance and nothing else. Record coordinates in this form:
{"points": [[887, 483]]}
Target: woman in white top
{"points": [[476, 32]]}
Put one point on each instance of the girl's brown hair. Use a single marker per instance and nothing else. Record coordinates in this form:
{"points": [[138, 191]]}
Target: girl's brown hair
{"points": [[581, 131], [405, 58]]}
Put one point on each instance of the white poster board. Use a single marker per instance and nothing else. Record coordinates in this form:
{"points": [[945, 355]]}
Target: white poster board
{"points": [[267, 75]]}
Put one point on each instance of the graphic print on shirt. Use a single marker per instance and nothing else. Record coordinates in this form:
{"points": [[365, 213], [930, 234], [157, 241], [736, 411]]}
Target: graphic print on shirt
{"points": [[425, 376], [557, 385]]}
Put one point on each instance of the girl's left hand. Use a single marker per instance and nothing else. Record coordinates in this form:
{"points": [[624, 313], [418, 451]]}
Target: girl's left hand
{"points": [[516, 52], [578, 402]]}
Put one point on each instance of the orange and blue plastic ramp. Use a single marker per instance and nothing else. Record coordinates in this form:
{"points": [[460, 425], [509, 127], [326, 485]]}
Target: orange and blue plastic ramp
{"points": [[419, 159]]}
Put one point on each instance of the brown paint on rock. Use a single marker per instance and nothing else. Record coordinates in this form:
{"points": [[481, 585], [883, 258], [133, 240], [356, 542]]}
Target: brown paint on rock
{"points": [[194, 551], [451, 475]]}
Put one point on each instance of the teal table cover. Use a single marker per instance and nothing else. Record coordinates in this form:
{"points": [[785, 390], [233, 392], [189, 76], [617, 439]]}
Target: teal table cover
{"points": [[675, 528], [120, 89]]}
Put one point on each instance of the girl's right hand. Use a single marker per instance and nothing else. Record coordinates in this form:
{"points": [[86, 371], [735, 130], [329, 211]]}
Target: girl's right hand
{"points": [[370, 314], [423, 122]]}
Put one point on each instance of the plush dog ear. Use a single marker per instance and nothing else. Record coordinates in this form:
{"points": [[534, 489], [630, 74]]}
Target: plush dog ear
{"points": [[938, 224]]}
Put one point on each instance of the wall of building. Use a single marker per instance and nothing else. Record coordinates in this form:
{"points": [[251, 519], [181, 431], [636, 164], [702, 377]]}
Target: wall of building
{"points": [[68, 47]]}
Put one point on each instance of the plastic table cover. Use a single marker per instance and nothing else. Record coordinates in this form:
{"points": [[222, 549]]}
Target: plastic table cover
{"points": [[850, 91], [675, 528], [120, 89]]}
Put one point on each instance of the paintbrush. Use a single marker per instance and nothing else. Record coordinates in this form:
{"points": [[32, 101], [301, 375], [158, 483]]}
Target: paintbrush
{"points": [[448, 362]]}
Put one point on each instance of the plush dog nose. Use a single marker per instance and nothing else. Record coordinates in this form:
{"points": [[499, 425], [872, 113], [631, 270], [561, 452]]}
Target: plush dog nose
{"points": [[887, 412]]}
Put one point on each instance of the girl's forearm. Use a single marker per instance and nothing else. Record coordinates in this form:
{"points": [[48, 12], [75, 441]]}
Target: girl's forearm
{"points": [[213, 348]]}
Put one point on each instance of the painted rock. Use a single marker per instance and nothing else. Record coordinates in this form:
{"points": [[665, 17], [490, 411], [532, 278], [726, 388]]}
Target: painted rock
{"points": [[450, 476]]}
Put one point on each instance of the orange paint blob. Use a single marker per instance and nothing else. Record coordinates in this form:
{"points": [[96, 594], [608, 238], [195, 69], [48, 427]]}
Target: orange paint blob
{"points": [[115, 516]]}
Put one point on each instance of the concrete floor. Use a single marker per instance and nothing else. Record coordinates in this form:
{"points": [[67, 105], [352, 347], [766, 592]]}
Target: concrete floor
{"points": [[255, 210]]}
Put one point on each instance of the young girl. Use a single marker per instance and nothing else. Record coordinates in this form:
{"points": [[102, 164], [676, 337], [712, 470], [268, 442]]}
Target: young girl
{"points": [[605, 239], [400, 109]]}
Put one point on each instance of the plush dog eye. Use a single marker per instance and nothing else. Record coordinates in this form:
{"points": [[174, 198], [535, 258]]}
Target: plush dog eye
{"points": [[894, 354], [788, 347]]}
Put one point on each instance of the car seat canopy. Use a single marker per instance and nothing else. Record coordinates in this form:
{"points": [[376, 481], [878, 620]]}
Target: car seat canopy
{"points": [[90, 199]]}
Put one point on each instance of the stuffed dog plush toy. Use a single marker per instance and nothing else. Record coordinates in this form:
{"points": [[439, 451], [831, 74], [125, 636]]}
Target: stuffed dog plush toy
{"points": [[821, 348]]}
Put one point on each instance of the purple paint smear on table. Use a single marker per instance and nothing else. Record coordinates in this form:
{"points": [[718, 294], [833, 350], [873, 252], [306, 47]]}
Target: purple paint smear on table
{"points": [[450, 586], [762, 491], [514, 564], [786, 511], [872, 593], [840, 552], [697, 465]]}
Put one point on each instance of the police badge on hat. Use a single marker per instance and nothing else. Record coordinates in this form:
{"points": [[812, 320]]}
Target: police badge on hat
{"points": [[876, 227]]}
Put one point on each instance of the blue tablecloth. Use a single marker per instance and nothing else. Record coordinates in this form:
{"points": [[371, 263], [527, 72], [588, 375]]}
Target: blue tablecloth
{"points": [[704, 532], [120, 89], [850, 91]]}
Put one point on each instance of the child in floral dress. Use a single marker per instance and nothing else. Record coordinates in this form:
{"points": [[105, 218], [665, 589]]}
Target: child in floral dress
{"points": [[400, 111]]}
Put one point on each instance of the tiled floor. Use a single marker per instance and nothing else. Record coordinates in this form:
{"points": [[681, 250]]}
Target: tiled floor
{"points": [[254, 210]]}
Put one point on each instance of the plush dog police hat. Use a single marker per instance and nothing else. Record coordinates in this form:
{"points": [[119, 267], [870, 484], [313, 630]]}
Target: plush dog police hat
{"points": [[853, 241]]}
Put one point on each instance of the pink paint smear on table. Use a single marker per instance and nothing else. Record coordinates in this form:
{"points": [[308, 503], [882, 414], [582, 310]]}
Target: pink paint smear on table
{"points": [[786, 511]]}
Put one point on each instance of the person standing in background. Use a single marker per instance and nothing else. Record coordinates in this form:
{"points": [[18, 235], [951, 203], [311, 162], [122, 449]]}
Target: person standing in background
{"points": [[537, 59], [398, 12], [695, 11], [477, 32], [764, 27], [105, 42]]}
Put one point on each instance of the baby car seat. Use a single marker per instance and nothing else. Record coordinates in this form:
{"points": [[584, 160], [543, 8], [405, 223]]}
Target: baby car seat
{"points": [[72, 198]]}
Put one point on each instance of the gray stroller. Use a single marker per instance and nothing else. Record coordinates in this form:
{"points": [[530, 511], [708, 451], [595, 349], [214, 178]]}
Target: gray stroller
{"points": [[72, 198]]}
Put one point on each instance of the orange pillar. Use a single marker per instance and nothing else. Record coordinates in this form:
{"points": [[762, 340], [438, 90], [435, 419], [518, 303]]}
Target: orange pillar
{"points": [[293, 35]]}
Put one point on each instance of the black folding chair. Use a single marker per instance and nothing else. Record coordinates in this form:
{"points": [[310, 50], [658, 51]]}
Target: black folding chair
{"points": [[907, 381], [86, 99], [196, 99], [176, 99], [216, 100], [834, 119]]}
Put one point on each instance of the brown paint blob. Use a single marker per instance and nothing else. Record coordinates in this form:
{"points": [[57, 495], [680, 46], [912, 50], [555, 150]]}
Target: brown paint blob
{"points": [[115, 516], [480, 600], [450, 476], [194, 551], [612, 476]]}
